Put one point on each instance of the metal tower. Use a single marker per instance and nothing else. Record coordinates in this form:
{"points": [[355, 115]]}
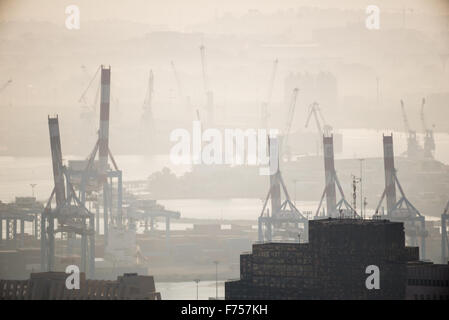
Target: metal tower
{"points": [[99, 175], [334, 209], [401, 210], [285, 218], [70, 213]]}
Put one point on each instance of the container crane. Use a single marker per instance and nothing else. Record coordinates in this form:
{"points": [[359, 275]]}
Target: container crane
{"points": [[429, 141]]}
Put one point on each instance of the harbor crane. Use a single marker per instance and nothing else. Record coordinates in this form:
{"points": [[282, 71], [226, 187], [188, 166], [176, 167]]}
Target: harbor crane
{"points": [[178, 82], [207, 90], [148, 101], [429, 142], [97, 92], [322, 127], [315, 110], [413, 149], [265, 105], [290, 116], [5, 85]]}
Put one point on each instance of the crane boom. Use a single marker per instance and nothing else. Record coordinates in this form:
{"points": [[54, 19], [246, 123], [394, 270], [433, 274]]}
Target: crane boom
{"points": [[204, 68], [313, 111], [149, 95], [178, 83], [5, 85], [423, 120], [291, 113], [404, 117]]}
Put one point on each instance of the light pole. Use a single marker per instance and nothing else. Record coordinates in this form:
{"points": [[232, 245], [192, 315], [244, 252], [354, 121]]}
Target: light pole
{"points": [[216, 279], [361, 188], [32, 188], [197, 281]]}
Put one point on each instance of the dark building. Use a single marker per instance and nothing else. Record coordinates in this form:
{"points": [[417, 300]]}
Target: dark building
{"points": [[427, 281], [52, 286], [333, 265]]}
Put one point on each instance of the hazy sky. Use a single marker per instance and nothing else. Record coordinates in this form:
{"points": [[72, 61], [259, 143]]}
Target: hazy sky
{"points": [[178, 13]]}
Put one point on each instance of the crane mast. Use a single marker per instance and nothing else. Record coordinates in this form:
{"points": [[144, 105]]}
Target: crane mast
{"points": [[208, 92], [178, 83], [147, 105], [429, 141], [290, 116]]}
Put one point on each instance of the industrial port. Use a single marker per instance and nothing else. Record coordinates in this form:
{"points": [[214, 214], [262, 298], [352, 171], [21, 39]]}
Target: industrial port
{"points": [[336, 179]]}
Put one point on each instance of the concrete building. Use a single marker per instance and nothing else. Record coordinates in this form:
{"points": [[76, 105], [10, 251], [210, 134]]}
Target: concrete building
{"points": [[333, 265], [427, 281]]}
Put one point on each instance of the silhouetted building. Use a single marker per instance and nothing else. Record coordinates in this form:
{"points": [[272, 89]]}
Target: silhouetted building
{"points": [[333, 265], [52, 286], [427, 281]]}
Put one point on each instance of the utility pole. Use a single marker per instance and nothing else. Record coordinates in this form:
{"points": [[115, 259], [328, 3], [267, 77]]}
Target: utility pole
{"points": [[32, 188], [197, 281], [216, 279], [361, 188]]}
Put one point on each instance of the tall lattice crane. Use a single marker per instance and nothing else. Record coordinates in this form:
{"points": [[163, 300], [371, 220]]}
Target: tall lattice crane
{"points": [[413, 148], [429, 141]]}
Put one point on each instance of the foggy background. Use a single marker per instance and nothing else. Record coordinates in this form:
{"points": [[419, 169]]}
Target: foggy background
{"points": [[51, 66]]}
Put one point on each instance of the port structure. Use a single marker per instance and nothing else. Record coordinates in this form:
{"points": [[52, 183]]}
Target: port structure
{"points": [[70, 214], [24, 209], [93, 175], [147, 211], [401, 210], [334, 210], [444, 237], [285, 219]]}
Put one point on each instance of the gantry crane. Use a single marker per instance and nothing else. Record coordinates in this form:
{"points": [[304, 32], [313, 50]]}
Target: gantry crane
{"points": [[429, 142]]}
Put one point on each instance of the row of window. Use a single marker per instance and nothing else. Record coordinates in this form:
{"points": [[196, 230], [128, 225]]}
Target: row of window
{"points": [[428, 282], [430, 297]]}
